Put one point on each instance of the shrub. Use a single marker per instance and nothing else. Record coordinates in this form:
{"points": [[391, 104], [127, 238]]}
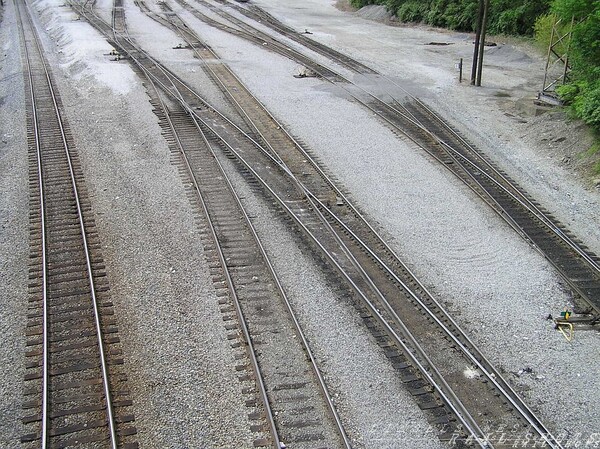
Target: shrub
{"points": [[587, 106], [412, 11]]}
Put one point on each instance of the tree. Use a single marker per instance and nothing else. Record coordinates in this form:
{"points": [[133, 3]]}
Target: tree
{"points": [[583, 92]]}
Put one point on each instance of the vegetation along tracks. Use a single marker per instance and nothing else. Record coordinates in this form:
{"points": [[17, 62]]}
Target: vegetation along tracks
{"points": [[480, 401], [75, 391]]}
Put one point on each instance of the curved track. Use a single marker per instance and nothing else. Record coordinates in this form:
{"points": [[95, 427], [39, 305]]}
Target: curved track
{"points": [[285, 389], [373, 281], [74, 385], [573, 261]]}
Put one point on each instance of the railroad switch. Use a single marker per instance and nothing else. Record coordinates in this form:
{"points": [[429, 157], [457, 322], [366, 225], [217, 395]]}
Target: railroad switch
{"points": [[567, 320], [114, 53]]}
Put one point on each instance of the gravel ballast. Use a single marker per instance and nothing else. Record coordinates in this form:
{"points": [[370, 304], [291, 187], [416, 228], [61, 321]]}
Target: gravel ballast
{"points": [[498, 287], [181, 369], [14, 232], [177, 356]]}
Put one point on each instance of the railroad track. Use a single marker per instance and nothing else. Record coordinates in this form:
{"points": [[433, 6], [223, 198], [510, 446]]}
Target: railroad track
{"points": [[261, 39], [574, 262], [262, 127], [285, 390], [285, 385], [75, 387], [482, 401], [119, 25], [259, 15]]}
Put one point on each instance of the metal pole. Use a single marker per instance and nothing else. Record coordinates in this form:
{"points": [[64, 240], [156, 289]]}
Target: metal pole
{"points": [[477, 37], [482, 43]]}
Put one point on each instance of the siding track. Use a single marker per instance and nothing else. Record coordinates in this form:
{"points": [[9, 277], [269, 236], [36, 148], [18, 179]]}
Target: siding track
{"points": [[286, 395], [285, 384], [579, 267], [407, 318]]}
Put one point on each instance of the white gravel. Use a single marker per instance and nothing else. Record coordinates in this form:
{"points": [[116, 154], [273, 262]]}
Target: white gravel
{"points": [[14, 233], [498, 288]]}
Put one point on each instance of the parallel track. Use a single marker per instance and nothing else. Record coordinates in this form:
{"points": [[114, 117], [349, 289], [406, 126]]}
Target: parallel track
{"points": [[311, 216], [573, 261], [259, 15], [286, 387], [285, 370], [75, 393]]}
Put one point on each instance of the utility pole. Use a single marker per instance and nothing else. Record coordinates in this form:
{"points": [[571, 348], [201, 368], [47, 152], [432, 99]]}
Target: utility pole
{"points": [[477, 38], [482, 42], [484, 6]]}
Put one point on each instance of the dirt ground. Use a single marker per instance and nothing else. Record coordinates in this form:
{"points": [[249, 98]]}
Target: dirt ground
{"points": [[566, 140]]}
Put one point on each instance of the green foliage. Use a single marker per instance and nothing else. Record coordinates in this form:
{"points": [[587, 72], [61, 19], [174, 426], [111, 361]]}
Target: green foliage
{"points": [[461, 16], [587, 105], [516, 17], [411, 12], [543, 32], [592, 154], [569, 92], [580, 9], [583, 91], [361, 3], [505, 16]]}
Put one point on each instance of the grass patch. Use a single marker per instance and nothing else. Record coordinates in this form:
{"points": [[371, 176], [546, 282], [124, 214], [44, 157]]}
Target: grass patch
{"points": [[592, 154], [594, 149]]}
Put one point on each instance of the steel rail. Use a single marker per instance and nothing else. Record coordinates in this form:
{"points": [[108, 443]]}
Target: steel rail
{"points": [[309, 353], [462, 414], [183, 32], [373, 308], [440, 385], [323, 386], [466, 420], [459, 410], [478, 359], [176, 91], [507, 187], [223, 87], [44, 432], [518, 403], [287, 303], [520, 199], [349, 63], [245, 331], [525, 202], [103, 363], [520, 406]]}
